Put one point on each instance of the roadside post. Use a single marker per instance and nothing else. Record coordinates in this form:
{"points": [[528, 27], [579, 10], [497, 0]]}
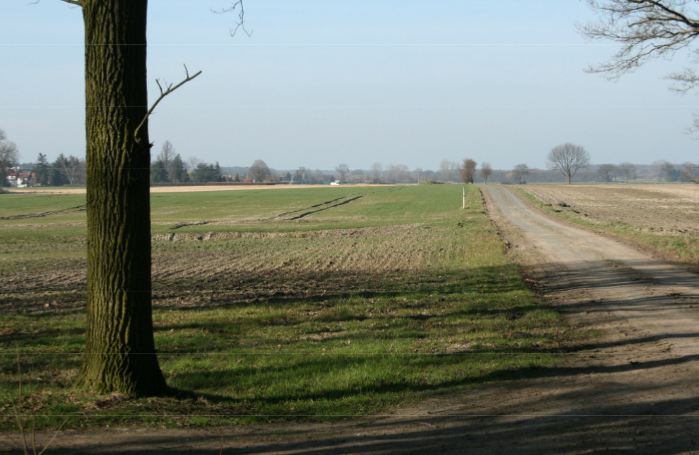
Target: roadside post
{"points": [[464, 198]]}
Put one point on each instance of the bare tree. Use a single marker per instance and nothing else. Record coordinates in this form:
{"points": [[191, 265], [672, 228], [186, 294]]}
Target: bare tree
{"points": [[392, 173], [519, 172], [403, 173], [343, 170], [662, 170], [259, 171], [9, 156], [667, 171], [627, 170], [690, 171], [606, 170], [468, 170], [646, 30], [375, 174], [192, 162], [568, 159], [301, 173], [418, 174], [73, 168], [167, 154], [486, 172]]}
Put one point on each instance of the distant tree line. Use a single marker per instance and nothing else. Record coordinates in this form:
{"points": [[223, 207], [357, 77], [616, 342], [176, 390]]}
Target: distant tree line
{"points": [[168, 167], [565, 163]]}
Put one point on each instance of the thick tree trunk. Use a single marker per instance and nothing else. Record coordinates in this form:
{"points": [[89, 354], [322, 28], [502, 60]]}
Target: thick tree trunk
{"points": [[120, 352]]}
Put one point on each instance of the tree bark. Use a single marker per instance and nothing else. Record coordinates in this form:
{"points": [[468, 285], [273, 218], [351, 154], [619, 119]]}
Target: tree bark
{"points": [[120, 350]]}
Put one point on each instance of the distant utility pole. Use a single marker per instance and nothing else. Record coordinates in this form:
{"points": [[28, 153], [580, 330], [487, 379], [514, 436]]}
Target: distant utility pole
{"points": [[464, 197]]}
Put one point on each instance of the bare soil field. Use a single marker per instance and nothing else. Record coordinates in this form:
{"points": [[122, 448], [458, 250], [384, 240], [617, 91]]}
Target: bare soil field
{"points": [[661, 219], [662, 209]]}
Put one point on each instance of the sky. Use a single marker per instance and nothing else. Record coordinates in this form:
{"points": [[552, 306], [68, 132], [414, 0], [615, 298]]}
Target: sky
{"points": [[321, 83]]}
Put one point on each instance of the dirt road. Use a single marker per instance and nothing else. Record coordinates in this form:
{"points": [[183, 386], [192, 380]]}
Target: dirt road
{"points": [[631, 388]]}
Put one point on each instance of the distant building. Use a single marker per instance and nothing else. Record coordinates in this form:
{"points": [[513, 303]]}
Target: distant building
{"points": [[336, 182], [19, 179]]}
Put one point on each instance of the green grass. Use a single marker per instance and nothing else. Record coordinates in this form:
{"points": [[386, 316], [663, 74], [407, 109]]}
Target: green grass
{"points": [[383, 301], [680, 248]]}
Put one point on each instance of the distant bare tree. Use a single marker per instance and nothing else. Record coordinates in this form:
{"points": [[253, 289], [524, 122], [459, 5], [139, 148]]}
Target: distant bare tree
{"points": [[73, 168], [391, 173], [9, 156], [302, 173], [690, 171], [533, 174], [375, 173], [192, 163], [662, 169], [454, 171], [486, 172], [343, 170], [259, 171], [356, 176], [519, 172], [606, 170], [468, 170], [444, 169], [167, 154], [568, 159], [668, 171], [418, 174], [646, 30], [627, 170], [401, 173]]}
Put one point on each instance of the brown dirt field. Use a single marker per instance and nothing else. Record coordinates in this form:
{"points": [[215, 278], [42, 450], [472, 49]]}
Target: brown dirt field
{"points": [[191, 271], [185, 189], [660, 209]]}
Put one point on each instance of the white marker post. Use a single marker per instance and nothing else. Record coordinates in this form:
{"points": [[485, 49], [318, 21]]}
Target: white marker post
{"points": [[464, 198]]}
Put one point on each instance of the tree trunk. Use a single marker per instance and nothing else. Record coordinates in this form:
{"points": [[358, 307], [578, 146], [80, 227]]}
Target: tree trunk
{"points": [[120, 351]]}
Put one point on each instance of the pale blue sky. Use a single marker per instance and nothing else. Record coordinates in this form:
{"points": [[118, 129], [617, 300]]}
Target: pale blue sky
{"points": [[328, 82]]}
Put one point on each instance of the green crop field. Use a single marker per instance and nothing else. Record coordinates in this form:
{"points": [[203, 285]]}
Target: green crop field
{"points": [[279, 303]]}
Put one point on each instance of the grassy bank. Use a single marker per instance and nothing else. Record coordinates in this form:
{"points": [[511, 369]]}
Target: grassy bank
{"points": [[375, 297]]}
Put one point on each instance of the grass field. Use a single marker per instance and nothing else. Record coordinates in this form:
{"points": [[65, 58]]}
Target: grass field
{"points": [[309, 304]]}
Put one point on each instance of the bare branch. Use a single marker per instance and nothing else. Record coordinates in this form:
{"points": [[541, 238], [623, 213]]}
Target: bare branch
{"points": [[646, 29], [241, 17], [72, 2], [163, 93], [690, 172]]}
